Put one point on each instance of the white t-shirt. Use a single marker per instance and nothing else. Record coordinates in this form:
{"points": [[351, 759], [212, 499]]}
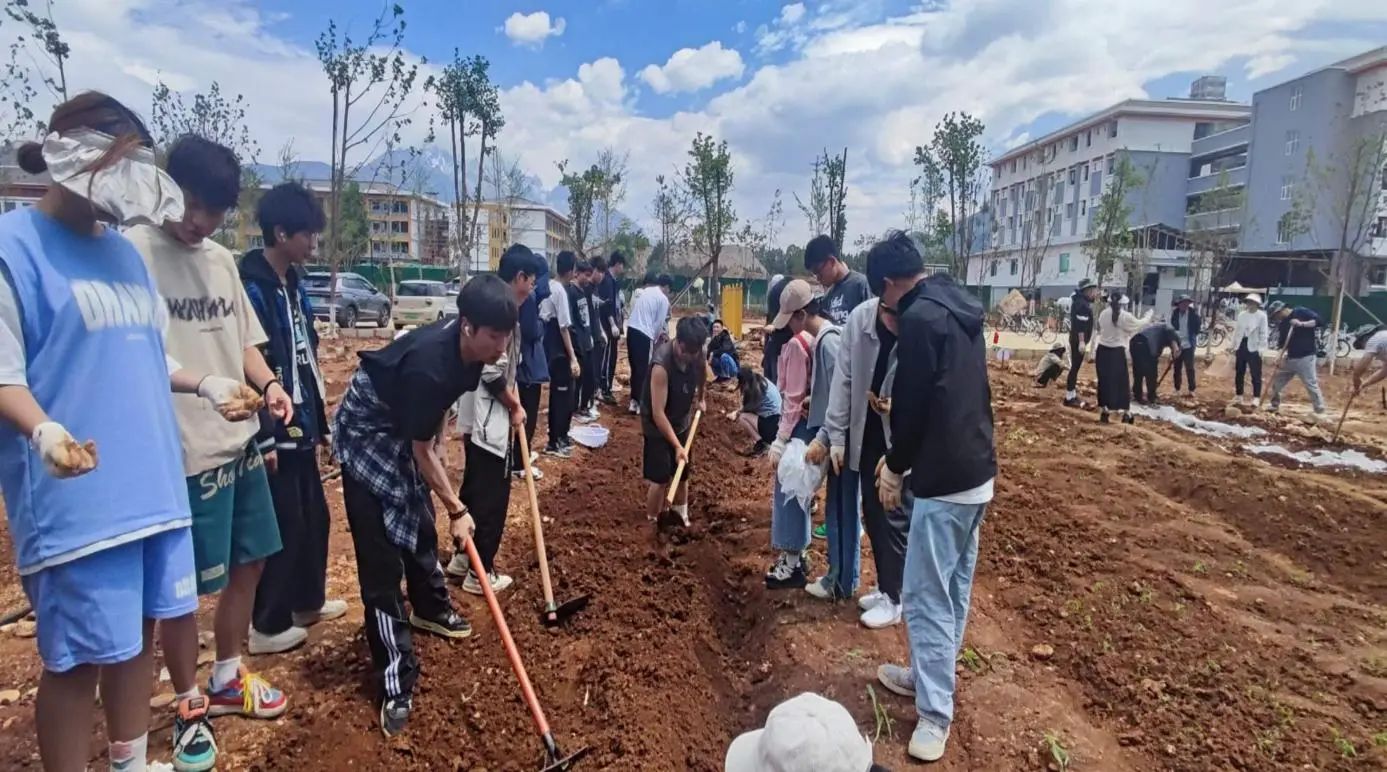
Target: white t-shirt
{"points": [[1376, 347], [979, 495], [211, 324], [649, 312], [556, 305]]}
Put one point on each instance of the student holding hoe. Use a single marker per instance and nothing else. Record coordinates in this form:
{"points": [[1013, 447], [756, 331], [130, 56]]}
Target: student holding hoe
{"points": [[675, 386], [383, 434]]}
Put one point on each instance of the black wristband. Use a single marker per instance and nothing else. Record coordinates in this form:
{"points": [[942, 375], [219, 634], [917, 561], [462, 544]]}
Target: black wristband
{"points": [[269, 383]]}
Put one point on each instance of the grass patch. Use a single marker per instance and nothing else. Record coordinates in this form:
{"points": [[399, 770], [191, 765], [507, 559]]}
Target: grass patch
{"points": [[1059, 754], [884, 723], [971, 659], [1342, 744]]}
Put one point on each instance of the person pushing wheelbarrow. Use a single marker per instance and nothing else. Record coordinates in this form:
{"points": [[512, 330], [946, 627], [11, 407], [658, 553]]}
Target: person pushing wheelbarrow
{"points": [[674, 390]]}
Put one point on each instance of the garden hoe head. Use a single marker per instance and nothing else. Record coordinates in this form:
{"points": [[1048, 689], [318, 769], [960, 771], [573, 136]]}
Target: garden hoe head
{"points": [[555, 761], [554, 615]]}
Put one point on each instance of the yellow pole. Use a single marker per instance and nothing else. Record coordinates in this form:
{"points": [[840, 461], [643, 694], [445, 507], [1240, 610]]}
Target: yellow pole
{"points": [[732, 309]]}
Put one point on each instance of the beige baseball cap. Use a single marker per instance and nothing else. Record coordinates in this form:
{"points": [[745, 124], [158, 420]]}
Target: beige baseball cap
{"points": [[796, 295]]}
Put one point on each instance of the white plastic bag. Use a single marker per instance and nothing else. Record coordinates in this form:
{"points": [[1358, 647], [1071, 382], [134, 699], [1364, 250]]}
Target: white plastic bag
{"points": [[799, 480]]}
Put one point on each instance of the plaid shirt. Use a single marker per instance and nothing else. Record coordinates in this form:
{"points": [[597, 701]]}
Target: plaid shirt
{"points": [[365, 442]]}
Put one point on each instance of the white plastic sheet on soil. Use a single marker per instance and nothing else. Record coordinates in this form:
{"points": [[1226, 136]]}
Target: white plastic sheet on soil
{"points": [[1197, 425], [1348, 459]]}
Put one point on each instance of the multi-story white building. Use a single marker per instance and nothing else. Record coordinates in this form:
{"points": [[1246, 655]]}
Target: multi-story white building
{"points": [[1045, 194], [503, 223]]}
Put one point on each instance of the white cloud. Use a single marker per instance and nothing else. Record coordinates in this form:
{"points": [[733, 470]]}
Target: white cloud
{"points": [[792, 13], [739, 27], [694, 69], [876, 87], [531, 29]]}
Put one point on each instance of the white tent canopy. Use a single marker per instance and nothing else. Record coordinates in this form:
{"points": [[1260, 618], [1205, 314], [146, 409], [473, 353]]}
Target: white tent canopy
{"points": [[1238, 289]]}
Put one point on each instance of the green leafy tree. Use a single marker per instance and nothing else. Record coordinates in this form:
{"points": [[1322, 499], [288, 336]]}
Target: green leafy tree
{"points": [[836, 170], [630, 239], [708, 178], [469, 104], [815, 206], [955, 157], [612, 192], [356, 228], [584, 191], [370, 81], [672, 209], [212, 116], [1109, 235]]}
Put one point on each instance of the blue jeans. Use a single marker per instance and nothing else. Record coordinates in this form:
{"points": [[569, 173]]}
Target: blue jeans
{"points": [[789, 520], [843, 520], [941, 553], [725, 366]]}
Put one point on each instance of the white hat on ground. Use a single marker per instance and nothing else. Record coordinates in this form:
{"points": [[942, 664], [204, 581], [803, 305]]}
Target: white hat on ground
{"points": [[808, 733]]}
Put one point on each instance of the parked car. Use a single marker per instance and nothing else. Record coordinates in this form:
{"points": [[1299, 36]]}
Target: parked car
{"points": [[357, 299], [422, 302]]}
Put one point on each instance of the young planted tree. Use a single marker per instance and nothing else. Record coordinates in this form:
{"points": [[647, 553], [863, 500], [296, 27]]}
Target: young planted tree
{"points": [[672, 209], [836, 173], [212, 116], [370, 81], [37, 36], [17, 95], [613, 191], [1214, 218], [708, 177], [584, 191], [470, 105], [356, 228], [509, 185], [815, 209], [1109, 235], [956, 155]]}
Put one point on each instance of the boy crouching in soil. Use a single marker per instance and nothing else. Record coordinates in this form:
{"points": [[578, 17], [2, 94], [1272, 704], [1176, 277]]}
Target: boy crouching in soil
{"points": [[383, 435], [677, 377], [1050, 367]]}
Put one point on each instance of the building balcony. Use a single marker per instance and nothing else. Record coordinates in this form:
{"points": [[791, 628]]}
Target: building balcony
{"points": [[1220, 220], [1232, 178], [1221, 143]]}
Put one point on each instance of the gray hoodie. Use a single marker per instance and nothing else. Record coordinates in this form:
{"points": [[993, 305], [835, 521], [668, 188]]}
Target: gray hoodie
{"points": [[846, 417]]}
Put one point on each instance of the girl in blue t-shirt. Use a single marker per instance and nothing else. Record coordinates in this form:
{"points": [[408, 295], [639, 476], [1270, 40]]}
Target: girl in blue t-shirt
{"points": [[100, 528], [760, 412]]}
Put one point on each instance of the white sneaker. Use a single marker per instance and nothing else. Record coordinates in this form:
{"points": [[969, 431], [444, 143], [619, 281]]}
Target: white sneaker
{"points": [[276, 644], [459, 567], [870, 598], [584, 418], [498, 582], [819, 589], [331, 609], [534, 458], [519, 474], [897, 679], [927, 741], [883, 614], [635, 407]]}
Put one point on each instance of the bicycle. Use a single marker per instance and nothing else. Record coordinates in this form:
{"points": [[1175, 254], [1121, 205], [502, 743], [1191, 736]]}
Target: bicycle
{"points": [[1211, 336]]}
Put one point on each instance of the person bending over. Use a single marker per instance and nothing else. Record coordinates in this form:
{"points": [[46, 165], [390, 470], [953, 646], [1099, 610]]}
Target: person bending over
{"points": [[673, 390]]}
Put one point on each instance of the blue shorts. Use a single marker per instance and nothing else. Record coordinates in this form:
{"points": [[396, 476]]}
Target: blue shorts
{"points": [[91, 610]]}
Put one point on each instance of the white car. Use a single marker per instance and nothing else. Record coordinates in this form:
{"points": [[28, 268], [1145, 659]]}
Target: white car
{"points": [[422, 302]]}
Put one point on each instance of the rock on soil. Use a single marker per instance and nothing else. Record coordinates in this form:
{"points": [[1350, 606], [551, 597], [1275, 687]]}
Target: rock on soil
{"points": [[9, 697]]}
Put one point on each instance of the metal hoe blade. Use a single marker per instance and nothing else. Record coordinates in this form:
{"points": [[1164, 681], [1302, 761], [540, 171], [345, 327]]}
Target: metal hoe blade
{"points": [[556, 615], [555, 761]]}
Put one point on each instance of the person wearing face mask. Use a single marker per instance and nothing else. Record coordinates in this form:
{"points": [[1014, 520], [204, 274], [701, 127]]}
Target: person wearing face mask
{"points": [[213, 328], [102, 530], [383, 435]]}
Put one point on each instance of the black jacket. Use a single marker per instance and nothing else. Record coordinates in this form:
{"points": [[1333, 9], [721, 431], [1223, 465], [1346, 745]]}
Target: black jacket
{"points": [[1193, 324], [1080, 319], [309, 424], [721, 344], [942, 431]]}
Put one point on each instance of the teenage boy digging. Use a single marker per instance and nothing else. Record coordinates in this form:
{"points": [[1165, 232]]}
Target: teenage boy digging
{"points": [[383, 435], [213, 329], [292, 592], [676, 384]]}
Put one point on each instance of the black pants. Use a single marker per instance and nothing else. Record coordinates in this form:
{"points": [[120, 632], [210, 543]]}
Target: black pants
{"points": [[1144, 365], [638, 357], [887, 531], [486, 493], [529, 399], [1051, 373], [1247, 362], [295, 578], [1185, 362], [1076, 360], [608, 371], [380, 565], [1114, 384], [562, 396], [594, 363]]}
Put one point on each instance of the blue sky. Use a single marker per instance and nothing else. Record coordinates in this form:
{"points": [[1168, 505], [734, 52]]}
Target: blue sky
{"points": [[779, 81]]}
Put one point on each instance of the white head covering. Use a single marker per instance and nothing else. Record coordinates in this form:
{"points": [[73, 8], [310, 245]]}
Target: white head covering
{"points": [[133, 190]]}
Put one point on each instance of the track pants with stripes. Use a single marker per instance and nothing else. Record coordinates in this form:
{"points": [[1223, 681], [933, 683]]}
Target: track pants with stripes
{"points": [[380, 566]]}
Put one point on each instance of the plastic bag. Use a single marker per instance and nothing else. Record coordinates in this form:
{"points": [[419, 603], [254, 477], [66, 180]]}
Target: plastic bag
{"points": [[798, 479]]}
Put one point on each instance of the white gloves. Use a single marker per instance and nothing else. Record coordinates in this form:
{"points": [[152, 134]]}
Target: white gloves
{"points": [[777, 450], [234, 400], [888, 486], [835, 457], [61, 454]]}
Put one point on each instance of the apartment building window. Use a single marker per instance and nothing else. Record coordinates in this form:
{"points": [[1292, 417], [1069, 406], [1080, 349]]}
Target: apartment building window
{"points": [[1015, 265], [994, 267], [1085, 172], [1088, 138], [1073, 176], [1111, 164], [1083, 207], [1013, 166], [1292, 141], [1380, 228], [1069, 211], [1287, 187], [1283, 229], [1064, 262], [1112, 129], [399, 228], [1295, 99], [1074, 143], [400, 207]]}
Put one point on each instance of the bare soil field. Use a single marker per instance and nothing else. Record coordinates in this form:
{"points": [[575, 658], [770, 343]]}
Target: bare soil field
{"points": [[1146, 599]]}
